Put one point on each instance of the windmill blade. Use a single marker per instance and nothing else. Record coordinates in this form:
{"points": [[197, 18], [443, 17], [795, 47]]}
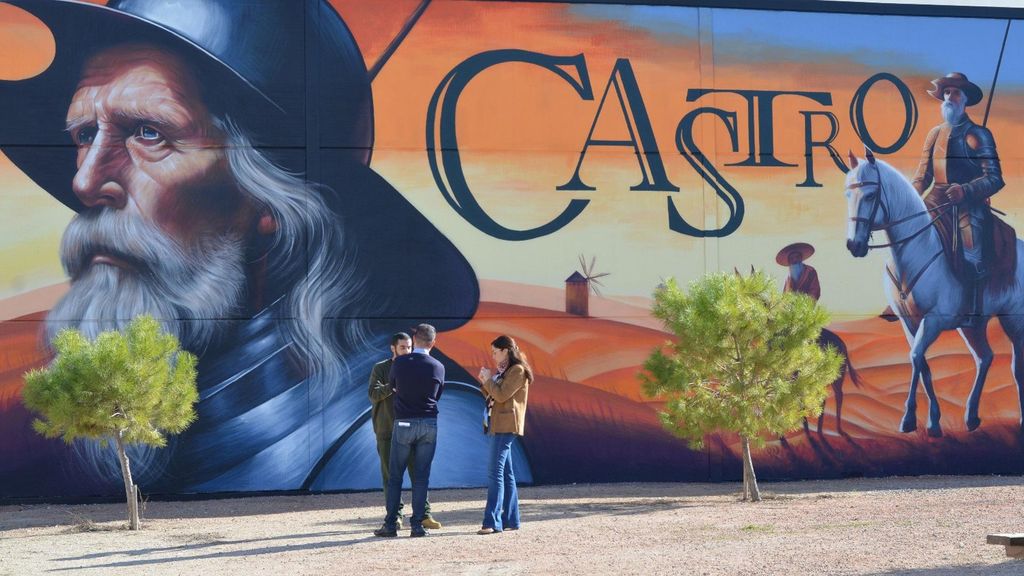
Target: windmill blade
{"points": [[601, 275], [583, 264]]}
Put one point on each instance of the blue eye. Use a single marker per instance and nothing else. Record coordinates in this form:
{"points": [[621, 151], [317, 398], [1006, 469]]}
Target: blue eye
{"points": [[148, 133], [85, 136]]}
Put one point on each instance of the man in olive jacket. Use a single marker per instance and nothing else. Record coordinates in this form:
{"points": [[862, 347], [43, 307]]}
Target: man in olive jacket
{"points": [[383, 415]]}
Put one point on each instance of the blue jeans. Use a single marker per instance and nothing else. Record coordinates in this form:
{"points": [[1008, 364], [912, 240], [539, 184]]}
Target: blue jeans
{"points": [[414, 439], [384, 451], [501, 486]]}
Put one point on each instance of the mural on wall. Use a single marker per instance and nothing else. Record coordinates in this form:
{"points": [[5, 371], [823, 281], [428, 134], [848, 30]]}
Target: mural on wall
{"points": [[286, 184]]}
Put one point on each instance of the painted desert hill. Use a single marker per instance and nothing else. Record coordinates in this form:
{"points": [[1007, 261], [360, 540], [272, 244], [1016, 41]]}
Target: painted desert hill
{"points": [[588, 392], [589, 421]]}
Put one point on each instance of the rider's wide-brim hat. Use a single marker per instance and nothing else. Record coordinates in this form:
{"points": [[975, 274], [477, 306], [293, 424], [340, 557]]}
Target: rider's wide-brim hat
{"points": [[295, 81], [803, 248], [956, 80]]}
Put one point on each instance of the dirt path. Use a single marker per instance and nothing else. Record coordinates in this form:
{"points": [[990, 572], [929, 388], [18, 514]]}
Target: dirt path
{"points": [[917, 526]]}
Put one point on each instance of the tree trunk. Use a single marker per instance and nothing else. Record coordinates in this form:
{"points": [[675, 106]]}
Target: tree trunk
{"points": [[130, 490], [749, 479], [746, 481]]}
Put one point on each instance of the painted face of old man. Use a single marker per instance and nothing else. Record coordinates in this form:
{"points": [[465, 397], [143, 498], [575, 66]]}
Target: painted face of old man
{"points": [[164, 227]]}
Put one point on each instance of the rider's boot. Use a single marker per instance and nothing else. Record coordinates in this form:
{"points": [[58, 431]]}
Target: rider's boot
{"points": [[974, 290]]}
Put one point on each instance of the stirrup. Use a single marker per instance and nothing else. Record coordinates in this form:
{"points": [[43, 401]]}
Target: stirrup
{"points": [[972, 319]]}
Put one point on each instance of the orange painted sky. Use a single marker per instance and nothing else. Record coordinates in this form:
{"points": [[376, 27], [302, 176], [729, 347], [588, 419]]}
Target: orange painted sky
{"points": [[26, 39], [520, 130]]}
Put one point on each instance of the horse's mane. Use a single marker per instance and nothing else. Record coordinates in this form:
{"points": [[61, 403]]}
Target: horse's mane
{"points": [[898, 189], [903, 199]]}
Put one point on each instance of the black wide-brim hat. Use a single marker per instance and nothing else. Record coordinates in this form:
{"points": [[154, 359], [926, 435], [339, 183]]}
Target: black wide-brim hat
{"points": [[295, 81]]}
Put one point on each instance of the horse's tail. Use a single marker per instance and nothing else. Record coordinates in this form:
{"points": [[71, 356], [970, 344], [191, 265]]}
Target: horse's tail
{"points": [[829, 337], [855, 376]]}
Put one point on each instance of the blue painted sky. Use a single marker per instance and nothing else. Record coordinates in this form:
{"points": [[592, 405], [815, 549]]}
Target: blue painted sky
{"points": [[667, 22], [893, 43], [898, 44]]}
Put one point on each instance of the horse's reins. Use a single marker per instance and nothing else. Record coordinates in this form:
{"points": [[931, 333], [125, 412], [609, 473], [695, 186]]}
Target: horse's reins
{"points": [[940, 209]]}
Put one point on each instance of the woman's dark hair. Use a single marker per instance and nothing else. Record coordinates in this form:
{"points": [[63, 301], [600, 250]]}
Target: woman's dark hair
{"points": [[504, 342]]}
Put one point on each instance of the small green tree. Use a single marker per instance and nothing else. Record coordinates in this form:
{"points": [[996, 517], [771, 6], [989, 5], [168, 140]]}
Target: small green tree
{"points": [[133, 386], [745, 360]]}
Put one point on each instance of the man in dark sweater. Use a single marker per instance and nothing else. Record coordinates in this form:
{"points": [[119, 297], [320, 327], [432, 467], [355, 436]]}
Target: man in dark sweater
{"points": [[383, 401], [418, 382]]}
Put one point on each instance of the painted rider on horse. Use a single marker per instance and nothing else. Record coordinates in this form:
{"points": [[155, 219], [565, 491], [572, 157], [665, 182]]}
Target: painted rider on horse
{"points": [[960, 164]]}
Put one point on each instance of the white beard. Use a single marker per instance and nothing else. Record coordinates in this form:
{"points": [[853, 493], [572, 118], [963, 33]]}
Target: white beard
{"points": [[190, 291], [953, 113], [187, 290]]}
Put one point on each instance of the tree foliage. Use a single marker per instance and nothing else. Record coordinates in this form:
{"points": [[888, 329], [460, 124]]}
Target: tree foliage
{"points": [[132, 387], [745, 359]]}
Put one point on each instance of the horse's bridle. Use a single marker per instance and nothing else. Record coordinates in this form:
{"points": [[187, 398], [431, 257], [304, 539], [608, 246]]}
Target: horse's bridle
{"points": [[878, 200], [903, 287]]}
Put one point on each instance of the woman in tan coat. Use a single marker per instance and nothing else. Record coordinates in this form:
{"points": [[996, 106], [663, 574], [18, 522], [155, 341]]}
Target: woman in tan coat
{"points": [[507, 390]]}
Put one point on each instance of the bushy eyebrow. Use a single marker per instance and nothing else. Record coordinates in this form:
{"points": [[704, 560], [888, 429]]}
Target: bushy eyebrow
{"points": [[77, 122], [162, 121], [159, 119]]}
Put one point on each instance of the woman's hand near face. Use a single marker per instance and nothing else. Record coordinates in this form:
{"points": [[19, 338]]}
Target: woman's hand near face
{"points": [[484, 375]]}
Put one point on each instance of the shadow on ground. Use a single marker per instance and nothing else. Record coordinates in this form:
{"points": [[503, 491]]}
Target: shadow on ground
{"points": [[462, 522], [1008, 568], [643, 497]]}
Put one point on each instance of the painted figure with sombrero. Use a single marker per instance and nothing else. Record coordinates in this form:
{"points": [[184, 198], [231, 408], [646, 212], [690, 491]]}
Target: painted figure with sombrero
{"points": [[960, 167], [216, 153], [802, 278]]}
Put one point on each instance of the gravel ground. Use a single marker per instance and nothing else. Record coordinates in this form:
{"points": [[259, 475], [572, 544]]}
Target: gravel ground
{"points": [[923, 526]]}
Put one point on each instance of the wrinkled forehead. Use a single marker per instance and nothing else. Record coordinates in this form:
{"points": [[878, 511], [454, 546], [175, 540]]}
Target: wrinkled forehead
{"points": [[123, 60], [138, 73]]}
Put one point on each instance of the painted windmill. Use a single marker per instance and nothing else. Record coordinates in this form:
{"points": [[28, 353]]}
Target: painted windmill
{"points": [[579, 285]]}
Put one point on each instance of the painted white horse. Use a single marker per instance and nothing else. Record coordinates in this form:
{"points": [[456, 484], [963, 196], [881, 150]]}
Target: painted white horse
{"points": [[879, 198]]}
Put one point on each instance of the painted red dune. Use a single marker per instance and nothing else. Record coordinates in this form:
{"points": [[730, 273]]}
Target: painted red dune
{"points": [[588, 393]]}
